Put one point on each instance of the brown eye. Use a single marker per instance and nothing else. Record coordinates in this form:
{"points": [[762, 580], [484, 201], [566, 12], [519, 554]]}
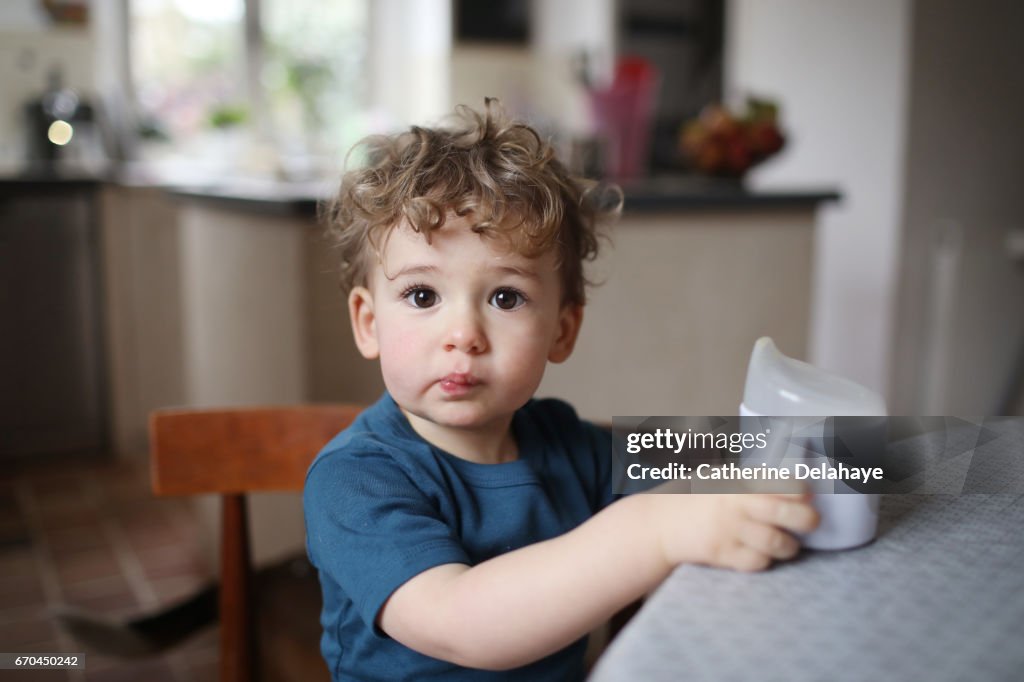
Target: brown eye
{"points": [[507, 299], [421, 297]]}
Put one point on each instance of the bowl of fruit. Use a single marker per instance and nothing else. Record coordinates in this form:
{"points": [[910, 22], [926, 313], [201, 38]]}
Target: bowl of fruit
{"points": [[723, 144]]}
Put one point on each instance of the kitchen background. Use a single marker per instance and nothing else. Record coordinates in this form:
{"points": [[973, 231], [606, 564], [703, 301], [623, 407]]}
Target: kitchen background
{"points": [[908, 109], [911, 283]]}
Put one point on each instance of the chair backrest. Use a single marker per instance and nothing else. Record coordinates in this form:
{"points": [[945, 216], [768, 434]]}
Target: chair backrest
{"points": [[231, 452]]}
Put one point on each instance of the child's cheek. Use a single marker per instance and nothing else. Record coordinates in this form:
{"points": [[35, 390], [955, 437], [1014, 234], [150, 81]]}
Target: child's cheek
{"points": [[394, 369], [401, 358], [398, 342]]}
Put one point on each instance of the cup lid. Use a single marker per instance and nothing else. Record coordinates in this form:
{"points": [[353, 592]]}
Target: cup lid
{"points": [[781, 386]]}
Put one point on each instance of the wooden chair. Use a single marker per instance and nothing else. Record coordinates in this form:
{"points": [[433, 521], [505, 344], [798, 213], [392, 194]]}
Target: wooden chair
{"points": [[232, 452]]}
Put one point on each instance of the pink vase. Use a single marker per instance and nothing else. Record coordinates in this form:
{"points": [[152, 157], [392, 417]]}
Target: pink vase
{"points": [[623, 114]]}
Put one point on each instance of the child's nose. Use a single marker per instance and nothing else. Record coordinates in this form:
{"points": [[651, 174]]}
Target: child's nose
{"points": [[465, 332]]}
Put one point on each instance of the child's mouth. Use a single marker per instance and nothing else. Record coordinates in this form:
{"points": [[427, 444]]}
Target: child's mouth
{"points": [[458, 384]]}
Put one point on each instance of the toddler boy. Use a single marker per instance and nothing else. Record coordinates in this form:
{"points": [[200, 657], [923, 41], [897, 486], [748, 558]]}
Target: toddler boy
{"points": [[461, 528]]}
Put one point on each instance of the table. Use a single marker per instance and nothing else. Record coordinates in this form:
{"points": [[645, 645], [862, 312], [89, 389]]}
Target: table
{"points": [[939, 595]]}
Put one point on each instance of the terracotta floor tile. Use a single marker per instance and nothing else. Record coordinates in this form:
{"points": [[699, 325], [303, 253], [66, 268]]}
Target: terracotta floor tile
{"points": [[88, 564], [16, 562], [65, 540], [25, 613], [13, 531], [68, 519], [188, 567], [174, 589], [130, 508], [47, 645], [142, 537], [134, 671], [208, 671], [204, 645], [96, 663], [21, 591], [124, 489], [99, 587], [50, 466], [12, 583], [113, 605], [54, 483], [14, 534], [128, 494], [16, 634], [99, 667], [62, 505], [85, 555], [170, 561], [143, 519], [9, 507], [37, 675]]}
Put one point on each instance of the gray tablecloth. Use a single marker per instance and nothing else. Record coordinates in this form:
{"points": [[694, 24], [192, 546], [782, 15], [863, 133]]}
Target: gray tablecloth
{"points": [[939, 595]]}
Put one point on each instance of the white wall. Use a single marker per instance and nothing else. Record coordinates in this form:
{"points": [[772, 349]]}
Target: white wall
{"points": [[410, 43], [561, 30], [505, 72], [21, 15], [840, 71], [965, 172]]}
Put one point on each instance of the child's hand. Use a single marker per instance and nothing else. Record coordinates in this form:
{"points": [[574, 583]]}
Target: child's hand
{"points": [[744, 532]]}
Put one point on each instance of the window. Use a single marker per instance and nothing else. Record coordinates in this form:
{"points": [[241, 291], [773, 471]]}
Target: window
{"points": [[191, 61], [314, 60]]}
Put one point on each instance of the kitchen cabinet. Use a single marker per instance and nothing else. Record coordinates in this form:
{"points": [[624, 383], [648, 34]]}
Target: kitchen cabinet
{"points": [[51, 351]]}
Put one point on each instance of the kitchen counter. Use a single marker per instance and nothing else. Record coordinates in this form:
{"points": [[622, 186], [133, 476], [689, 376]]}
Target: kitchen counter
{"points": [[652, 195], [696, 271], [671, 193], [37, 184]]}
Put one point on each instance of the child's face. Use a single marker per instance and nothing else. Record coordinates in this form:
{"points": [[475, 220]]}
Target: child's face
{"points": [[463, 328]]}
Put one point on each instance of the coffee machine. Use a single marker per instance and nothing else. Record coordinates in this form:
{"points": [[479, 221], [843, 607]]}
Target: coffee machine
{"points": [[64, 135]]}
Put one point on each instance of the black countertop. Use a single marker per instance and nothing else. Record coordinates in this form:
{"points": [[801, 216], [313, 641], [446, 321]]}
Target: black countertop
{"points": [[20, 185], [649, 196], [700, 193], [655, 195]]}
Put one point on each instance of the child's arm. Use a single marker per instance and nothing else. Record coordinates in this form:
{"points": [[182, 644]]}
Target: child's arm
{"points": [[520, 606]]}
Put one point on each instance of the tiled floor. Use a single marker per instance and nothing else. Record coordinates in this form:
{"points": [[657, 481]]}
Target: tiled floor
{"points": [[87, 532]]}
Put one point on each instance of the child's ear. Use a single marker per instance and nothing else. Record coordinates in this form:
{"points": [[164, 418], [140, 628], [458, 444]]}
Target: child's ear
{"points": [[570, 317], [364, 322]]}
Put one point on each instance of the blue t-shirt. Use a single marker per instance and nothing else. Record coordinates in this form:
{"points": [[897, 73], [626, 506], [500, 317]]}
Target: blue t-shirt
{"points": [[383, 505]]}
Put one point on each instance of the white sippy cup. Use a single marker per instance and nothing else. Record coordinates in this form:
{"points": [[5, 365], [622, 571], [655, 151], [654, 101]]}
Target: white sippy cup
{"points": [[779, 386]]}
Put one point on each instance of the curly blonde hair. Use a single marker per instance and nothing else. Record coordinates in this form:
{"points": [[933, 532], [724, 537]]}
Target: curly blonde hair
{"points": [[498, 173]]}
